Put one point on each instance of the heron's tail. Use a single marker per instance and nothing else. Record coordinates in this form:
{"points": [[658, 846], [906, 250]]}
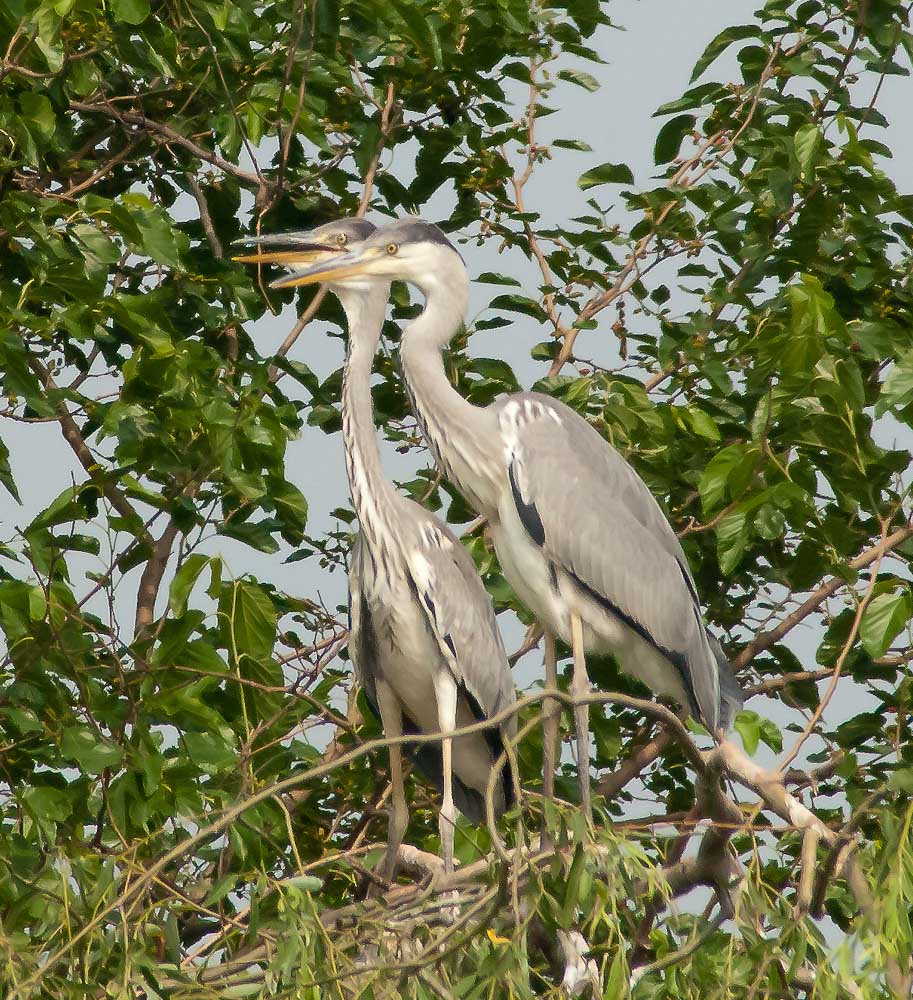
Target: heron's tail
{"points": [[469, 801]]}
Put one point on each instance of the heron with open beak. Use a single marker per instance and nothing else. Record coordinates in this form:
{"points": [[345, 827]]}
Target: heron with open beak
{"points": [[423, 636]]}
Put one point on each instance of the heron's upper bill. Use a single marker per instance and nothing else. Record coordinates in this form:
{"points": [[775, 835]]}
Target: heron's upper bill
{"points": [[299, 257], [331, 268]]}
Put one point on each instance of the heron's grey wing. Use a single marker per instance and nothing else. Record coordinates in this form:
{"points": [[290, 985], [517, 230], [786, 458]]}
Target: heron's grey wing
{"points": [[461, 617], [592, 515], [367, 656]]}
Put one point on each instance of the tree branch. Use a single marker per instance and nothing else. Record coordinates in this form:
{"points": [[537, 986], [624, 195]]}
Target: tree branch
{"points": [[73, 437], [767, 639]]}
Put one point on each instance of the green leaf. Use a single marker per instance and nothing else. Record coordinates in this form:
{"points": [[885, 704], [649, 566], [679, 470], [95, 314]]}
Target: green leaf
{"points": [[290, 501], [669, 140], [771, 735], [46, 803], [702, 424], [258, 535], [576, 144], [306, 883], [130, 11], [897, 390], [806, 143], [605, 173], [731, 540], [781, 187], [722, 42], [38, 113], [885, 616], [249, 619], [581, 79], [6, 473], [490, 278], [92, 753], [517, 303], [726, 474], [210, 751], [183, 583], [617, 979], [748, 725]]}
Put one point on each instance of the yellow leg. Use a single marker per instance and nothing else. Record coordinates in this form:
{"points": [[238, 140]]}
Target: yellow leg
{"points": [[580, 688]]}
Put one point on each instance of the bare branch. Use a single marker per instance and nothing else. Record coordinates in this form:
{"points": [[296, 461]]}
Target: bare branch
{"points": [[169, 135], [767, 639]]}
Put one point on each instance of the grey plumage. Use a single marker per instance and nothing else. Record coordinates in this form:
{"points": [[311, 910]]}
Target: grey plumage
{"points": [[643, 575], [462, 624], [578, 534]]}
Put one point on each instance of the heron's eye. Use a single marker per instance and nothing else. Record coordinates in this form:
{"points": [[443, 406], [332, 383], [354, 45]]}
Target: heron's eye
{"points": [[392, 248], [342, 239]]}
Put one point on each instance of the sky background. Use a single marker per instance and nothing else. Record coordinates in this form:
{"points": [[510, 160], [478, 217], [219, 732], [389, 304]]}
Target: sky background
{"points": [[646, 64]]}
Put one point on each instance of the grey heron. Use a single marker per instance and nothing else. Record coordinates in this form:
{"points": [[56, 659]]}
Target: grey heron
{"points": [[424, 640], [579, 535]]}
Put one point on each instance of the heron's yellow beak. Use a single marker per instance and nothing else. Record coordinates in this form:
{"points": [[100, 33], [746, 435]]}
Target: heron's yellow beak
{"points": [[332, 267], [299, 257]]}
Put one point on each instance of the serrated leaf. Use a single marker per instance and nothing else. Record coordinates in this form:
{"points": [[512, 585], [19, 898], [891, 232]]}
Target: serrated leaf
{"points": [[255, 534]]}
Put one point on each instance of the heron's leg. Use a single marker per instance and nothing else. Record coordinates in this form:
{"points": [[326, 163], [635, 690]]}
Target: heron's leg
{"points": [[551, 713], [580, 688], [391, 717], [445, 690]]}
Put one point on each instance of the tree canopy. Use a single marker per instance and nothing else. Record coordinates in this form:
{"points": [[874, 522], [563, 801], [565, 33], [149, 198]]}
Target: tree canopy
{"points": [[193, 791]]}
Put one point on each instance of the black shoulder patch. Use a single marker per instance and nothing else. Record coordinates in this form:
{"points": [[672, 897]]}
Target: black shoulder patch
{"points": [[529, 516]]}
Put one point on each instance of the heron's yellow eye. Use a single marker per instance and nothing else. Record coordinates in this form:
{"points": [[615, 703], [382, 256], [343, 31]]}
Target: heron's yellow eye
{"points": [[342, 239], [392, 248]]}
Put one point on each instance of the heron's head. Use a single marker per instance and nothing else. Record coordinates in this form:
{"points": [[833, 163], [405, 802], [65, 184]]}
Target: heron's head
{"points": [[303, 250], [407, 250]]}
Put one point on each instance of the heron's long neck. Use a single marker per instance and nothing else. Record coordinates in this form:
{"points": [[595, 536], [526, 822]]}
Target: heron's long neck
{"points": [[376, 502], [463, 438]]}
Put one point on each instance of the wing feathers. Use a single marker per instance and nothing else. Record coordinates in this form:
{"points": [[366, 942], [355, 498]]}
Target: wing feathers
{"points": [[594, 517]]}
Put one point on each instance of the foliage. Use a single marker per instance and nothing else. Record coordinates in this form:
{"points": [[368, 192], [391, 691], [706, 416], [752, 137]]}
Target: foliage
{"points": [[188, 805]]}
